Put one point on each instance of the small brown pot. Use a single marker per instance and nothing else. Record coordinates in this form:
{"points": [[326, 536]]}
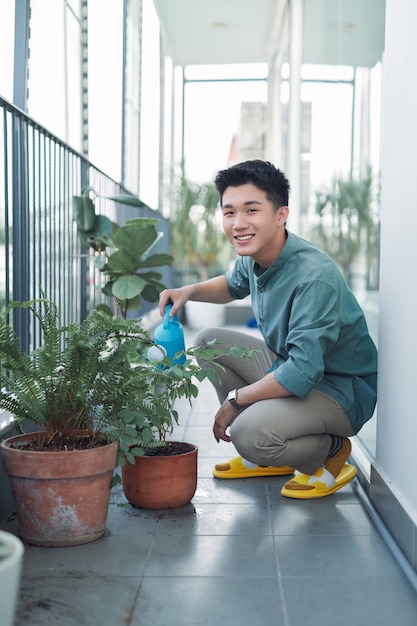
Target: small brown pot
{"points": [[161, 482], [61, 498]]}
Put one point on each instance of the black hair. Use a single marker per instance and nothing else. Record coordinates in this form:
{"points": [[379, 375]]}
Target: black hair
{"points": [[262, 174]]}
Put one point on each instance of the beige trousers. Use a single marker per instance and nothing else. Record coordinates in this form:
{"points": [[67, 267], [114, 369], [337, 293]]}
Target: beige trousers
{"points": [[282, 431]]}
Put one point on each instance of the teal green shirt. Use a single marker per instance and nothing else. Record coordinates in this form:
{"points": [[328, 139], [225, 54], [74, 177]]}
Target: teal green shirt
{"points": [[312, 321]]}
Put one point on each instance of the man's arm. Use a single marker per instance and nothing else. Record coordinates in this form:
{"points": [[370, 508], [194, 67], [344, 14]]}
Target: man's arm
{"points": [[213, 290]]}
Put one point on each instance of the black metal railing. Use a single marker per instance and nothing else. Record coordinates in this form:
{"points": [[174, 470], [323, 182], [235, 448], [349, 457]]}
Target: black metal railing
{"points": [[39, 244]]}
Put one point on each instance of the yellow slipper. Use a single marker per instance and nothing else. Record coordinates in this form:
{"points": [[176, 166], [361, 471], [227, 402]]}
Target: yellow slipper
{"points": [[236, 469], [319, 485]]}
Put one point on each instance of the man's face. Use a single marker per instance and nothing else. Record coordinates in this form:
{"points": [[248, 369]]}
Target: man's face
{"points": [[251, 224]]}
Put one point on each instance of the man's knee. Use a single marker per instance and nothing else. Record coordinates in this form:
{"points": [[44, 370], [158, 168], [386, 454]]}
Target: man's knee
{"points": [[204, 336]]}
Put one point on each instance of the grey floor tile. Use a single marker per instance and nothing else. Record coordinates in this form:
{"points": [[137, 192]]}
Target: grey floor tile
{"points": [[75, 600], [129, 520], [195, 555], [222, 519], [121, 556], [357, 600], [329, 517], [332, 556], [214, 491], [217, 601]]}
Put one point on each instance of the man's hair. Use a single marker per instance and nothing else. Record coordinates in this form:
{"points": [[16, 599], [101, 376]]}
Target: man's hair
{"points": [[262, 174]]}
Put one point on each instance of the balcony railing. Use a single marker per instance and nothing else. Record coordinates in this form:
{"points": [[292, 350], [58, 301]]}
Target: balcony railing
{"points": [[39, 244]]}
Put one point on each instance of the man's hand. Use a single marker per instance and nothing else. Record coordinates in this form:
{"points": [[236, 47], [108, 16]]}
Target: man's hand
{"points": [[178, 297], [224, 417]]}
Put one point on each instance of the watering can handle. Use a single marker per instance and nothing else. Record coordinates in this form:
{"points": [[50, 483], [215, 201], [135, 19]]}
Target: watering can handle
{"points": [[166, 315]]}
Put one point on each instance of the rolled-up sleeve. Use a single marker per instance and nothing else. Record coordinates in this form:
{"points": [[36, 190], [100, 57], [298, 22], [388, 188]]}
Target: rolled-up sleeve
{"points": [[313, 329]]}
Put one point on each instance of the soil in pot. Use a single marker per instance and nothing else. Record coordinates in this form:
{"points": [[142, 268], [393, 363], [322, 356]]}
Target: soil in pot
{"points": [[164, 478]]}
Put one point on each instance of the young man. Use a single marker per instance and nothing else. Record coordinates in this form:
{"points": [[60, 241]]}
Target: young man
{"points": [[312, 384]]}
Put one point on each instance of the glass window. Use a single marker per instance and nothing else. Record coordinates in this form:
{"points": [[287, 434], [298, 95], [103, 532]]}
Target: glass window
{"points": [[105, 76], [150, 107], [54, 70], [6, 48], [225, 122]]}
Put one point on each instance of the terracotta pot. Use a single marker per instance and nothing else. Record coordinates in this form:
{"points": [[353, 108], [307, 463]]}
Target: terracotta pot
{"points": [[161, 482], [61, 498]]}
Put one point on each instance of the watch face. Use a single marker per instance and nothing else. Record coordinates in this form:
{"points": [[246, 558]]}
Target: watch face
{"points": [[231, 396]]}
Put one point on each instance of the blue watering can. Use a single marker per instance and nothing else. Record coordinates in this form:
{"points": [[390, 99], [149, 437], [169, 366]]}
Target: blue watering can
{"points": [[169, 336]]}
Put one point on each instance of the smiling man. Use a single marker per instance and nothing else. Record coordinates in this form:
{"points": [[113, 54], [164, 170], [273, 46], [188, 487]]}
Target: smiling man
{"points": [[312, 382]]}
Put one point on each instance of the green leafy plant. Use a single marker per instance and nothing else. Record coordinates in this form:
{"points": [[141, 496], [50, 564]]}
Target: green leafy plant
{"points": [[199, 245], [122, 253], [76, 380], [92, 383], [346, 225]]}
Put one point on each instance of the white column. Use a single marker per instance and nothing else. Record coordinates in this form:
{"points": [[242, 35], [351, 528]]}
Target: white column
{"points": [[294, 121], [396, 457]]}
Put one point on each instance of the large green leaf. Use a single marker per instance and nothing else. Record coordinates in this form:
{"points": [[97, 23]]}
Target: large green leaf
{"points": [[121, 261], [157, 260], [103, 226], [127, 287], [135, 237], [127, 199], [84, 212], [150, 293]]}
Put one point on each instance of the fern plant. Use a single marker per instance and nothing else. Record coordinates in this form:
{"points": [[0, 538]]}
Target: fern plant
{"points": [[76, 379], [92, 383]]}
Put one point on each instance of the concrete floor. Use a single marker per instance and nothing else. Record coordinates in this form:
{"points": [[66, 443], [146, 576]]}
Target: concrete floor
{"points": [[238, 554]]}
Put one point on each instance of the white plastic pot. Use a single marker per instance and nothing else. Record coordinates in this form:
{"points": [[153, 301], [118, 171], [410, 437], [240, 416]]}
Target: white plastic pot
{"points": [[11, 554]]}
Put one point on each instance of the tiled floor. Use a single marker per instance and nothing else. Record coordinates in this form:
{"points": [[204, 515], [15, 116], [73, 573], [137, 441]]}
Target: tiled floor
{"points": [[238, 554]]}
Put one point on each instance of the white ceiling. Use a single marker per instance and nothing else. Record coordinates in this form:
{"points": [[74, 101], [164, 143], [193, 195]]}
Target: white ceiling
{"points": [[198, 32], [216, 31]]}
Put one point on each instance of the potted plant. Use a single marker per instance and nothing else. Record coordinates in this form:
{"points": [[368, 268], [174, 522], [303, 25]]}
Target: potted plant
{"points": [[11, 554], [122, 253], [93, 392], [77, 388], [346, 225], [158, 473]]}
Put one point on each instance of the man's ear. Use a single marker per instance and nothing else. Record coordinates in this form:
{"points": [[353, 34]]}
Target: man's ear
{"points": [[283, 213]]}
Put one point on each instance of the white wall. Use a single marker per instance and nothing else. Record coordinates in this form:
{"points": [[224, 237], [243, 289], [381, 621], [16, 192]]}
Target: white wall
{"points": [[396, 453]]}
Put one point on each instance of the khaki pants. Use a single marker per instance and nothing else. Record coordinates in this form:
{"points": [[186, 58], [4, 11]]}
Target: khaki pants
{"points": [[281, 431]]}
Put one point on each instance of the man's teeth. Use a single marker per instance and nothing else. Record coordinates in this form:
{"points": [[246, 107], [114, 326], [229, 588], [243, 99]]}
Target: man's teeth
{"points": [[244, 238]]}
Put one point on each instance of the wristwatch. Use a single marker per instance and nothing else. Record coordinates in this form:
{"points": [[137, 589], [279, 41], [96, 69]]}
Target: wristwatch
{"points": [[232, 397]]}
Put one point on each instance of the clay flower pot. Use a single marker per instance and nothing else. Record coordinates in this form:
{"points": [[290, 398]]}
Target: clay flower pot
{"points": [[61, 498], [161, 482]]}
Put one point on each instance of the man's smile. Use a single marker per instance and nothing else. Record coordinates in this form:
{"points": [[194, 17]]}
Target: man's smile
{"points": [[243, 237]]}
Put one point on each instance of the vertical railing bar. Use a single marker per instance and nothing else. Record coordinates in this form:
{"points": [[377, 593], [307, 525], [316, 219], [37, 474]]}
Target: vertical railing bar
{"points": [[49, 213], [60, 233], [33, 252], [6, 205], [53, 214], [19, 231]]}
